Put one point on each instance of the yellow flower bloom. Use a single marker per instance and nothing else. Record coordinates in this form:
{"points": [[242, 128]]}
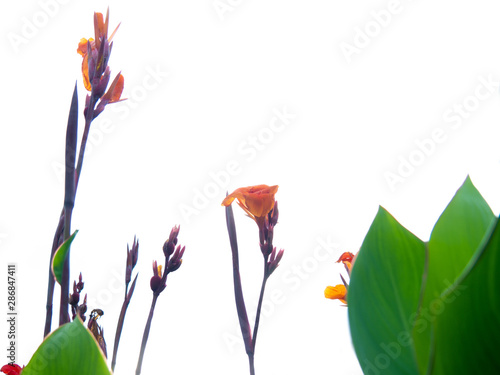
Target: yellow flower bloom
{"points": [[336, 292]]}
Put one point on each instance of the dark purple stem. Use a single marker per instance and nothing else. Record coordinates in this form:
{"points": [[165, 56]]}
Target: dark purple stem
{"points": [[146, 333], [259, 306], [121, 320], [69, 199], [238, 292], [61, 227], [51, 283]]}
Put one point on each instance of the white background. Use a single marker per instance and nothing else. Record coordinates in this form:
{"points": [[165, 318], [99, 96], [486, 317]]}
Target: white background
{"points": [[202, 83]]}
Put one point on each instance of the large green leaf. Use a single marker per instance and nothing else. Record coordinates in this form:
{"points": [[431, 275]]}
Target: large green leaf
{"points": [[60, 256], [71, 349], [383, 297], [468, 328], [454, 239]]}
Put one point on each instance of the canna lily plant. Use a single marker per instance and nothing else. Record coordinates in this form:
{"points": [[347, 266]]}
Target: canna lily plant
{"points": [[431, 307], [96, 72], [74, 348], [259, 204]]}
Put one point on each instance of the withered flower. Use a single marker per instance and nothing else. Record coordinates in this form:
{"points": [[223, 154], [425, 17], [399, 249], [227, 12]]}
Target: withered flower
{"points": [[97, 330]]}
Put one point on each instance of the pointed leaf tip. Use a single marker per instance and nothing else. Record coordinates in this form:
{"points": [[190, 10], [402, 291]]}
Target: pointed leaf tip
{"points": [[60, 256]]}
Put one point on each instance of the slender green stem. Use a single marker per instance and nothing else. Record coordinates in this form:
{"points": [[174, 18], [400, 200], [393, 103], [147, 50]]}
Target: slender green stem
{"points": [[146, 334]]}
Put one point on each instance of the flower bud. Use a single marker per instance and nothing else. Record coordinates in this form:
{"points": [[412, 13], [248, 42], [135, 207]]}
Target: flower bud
{"points": [[79, 285], [169, 246], [91, 64], [156, 283], [101, 83], [274, 260], [132, 255], [74, 299], [273, 220], [176, 260]]}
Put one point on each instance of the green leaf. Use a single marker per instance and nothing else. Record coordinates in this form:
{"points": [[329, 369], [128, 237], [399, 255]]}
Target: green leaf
{"points": [[70, 349], [383, 297], [60, 256], [454, 239], [467, 330]]}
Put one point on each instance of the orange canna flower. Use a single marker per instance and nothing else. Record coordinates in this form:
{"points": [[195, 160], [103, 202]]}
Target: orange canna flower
{"points": [[336, 292], [82, 46], [346, 257], [100, 59], [257, 201], [82, 50]]}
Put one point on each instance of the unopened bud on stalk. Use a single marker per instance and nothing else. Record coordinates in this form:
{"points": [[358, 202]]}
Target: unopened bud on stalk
{"points": [[169, 246]]}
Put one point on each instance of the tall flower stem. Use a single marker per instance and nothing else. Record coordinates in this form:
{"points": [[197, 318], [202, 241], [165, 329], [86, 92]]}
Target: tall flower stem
{"points": [[238, 291], [146, 333], [95, 71], [119, 327], [259, 306], [88, 120], [251, 362], [69, 199], [61, 227], [63, 306], [51, 282]]}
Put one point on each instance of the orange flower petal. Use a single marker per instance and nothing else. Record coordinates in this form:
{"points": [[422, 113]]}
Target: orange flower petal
{"points": [[354, 258], [115, 90], [117, 87], [256, 200], [85, 72], [336, 292], [346, 257], [228, 200], [348, 265], [82, 46], [100, 27], [113, 33]]}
